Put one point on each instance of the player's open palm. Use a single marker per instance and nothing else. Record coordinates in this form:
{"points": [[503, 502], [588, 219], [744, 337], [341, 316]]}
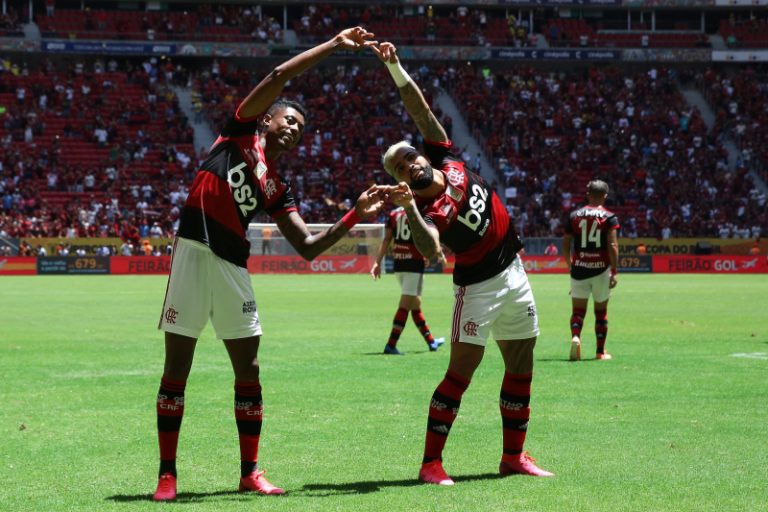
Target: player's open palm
{"points": [[355, 38]]}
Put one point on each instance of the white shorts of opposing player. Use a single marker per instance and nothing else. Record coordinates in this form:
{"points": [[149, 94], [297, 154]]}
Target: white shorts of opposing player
{"points": [[202, 286], [599, 286], [502, 306]]}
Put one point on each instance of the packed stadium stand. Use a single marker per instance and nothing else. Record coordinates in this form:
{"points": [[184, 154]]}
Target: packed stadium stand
{"points": [[96, 144]]}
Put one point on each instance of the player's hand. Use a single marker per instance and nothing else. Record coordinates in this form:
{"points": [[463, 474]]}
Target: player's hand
{"points": [[613, 282], [355, 38], [401, 195], [376, 271], [370, 202], [386, 52]]}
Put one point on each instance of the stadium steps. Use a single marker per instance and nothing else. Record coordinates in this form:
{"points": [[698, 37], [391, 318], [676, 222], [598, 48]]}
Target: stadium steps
{"points": [[204, 135], [462, 137]]}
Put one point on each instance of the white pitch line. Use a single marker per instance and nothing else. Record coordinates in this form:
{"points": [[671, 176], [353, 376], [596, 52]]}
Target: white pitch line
{"points": [[751, 355]]}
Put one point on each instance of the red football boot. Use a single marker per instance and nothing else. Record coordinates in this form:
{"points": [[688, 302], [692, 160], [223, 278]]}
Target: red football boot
{"points": [[433, 473], [166, 488], [255, 482], [522, 466]]}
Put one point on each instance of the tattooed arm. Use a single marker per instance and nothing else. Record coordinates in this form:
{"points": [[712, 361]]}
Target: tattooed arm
{"points": [[413, 99], [424, 236]]}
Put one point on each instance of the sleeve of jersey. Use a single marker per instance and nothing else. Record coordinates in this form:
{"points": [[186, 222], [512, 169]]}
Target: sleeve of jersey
{"points": [[435, 218], [613, 222], [236, 127], [439, 153], [284, 205]]}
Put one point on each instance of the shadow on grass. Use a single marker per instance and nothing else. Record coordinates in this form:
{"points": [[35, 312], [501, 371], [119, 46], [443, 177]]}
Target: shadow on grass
{"points": [[182, 497], [566, 360], [410, 352], [312, 490], [367, 487]]}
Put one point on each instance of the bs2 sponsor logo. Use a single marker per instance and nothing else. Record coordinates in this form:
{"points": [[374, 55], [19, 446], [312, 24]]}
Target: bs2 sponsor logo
{"points": [[241, 191], [477, 204]]}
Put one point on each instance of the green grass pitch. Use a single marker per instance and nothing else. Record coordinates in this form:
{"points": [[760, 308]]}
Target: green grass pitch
{"points": [[678, 421]]}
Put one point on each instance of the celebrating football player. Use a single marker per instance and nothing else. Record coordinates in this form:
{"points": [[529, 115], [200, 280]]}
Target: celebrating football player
{"points": [[209, 278], [445, 203]]}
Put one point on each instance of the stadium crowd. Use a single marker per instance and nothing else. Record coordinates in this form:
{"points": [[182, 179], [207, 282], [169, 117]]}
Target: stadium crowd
{"points": [[422, 24], [90, 150], [550, 132], [102, 149], [203, 21]]}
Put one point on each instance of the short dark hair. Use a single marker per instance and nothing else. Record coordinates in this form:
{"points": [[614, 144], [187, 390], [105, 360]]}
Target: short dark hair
{"points": [[283, 103], [597, 188]]}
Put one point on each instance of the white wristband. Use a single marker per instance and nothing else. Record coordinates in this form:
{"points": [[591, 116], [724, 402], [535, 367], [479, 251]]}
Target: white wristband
{"points": [[399, 75]]}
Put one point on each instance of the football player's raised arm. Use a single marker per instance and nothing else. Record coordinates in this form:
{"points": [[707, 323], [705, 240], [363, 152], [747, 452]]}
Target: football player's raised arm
{"points": [[267, 91], [413, 99], [310, 246]]}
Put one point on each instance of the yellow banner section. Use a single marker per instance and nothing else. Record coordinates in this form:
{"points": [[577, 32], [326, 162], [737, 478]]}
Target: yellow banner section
{"points": [[345, 246], [369, 245], [654, 246], [91, 245]]}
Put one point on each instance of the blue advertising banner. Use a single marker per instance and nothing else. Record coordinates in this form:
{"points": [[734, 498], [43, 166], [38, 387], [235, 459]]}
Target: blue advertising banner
{"points": [[73, 265], [555, 54], [560, 2], [60, 46]]}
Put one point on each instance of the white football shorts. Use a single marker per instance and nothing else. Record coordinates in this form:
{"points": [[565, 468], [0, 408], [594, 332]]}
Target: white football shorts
{"points": [[502, 306], [599, 286], [411, 283], [202, 286]]}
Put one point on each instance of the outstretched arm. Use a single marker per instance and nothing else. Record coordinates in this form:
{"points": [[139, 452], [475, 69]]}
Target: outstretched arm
{"points": [[310, 246], [428, 125], [267, 91]]}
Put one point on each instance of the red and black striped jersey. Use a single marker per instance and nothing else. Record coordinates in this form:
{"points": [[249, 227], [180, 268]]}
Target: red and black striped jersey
{"points": [[471, 219], [406, 256], [589, 227], [233, 184]]}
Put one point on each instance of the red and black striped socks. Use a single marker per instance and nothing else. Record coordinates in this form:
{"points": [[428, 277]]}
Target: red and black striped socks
{"points": [[170, 411], [601, 329], [514, 403], [249, 412], [421, 323], [443, 410], [398, 324], [577, 321]]}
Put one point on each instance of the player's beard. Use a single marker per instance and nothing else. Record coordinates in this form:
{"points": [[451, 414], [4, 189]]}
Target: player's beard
{"points": [[425, 180]]}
